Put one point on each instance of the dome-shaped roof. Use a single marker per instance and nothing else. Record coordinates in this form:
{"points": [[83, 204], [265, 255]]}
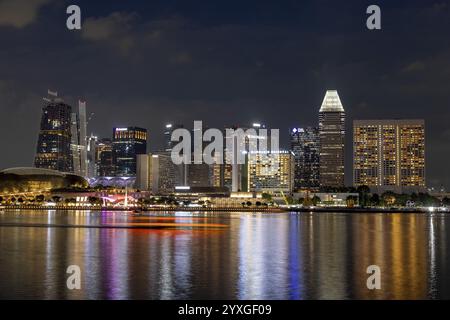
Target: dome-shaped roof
{"points": [[24, 171], [21, 180]]}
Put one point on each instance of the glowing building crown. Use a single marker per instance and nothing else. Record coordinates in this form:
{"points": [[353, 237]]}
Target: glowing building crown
{"points": [[331, 102]]}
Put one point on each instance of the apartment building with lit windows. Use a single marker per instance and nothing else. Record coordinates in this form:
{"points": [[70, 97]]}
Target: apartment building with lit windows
{"points": [[389, 155]]}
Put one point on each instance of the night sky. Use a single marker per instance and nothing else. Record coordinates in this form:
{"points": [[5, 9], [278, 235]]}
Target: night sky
{"points": [[146, 63]]}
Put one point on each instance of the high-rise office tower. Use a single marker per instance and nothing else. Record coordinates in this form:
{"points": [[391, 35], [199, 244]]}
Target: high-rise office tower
{"points": [[332, 140], [91, 156], [79, 140], [156, 172], [127, 144], [83, 138], [242, 141], [221, 175], [169, 129], [104, 158], [217, 171], [54, 143], [305, 144], [389, 155], [271, 172], [198, 175], [181, 174], [75, 144]]}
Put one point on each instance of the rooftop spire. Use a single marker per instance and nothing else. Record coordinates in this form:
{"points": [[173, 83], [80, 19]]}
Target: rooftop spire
{"points": [[331, 102]]}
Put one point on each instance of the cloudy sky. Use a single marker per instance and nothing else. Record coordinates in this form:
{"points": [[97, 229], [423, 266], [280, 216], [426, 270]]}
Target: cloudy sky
{"points": [[146, 63]]}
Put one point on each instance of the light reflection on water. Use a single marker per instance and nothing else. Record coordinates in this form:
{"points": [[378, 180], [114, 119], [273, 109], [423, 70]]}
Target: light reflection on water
{"points": [[256, 256]]}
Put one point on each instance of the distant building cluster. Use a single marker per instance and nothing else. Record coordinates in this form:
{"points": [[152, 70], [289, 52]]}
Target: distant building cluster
{"points": [[387, 155]]}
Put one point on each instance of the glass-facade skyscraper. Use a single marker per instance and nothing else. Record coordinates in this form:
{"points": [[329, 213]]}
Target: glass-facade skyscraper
{"points": [[332, 140], [79, 140], [54, 142], [104, 158], [305, 144], [169, 129], [127, 144]]}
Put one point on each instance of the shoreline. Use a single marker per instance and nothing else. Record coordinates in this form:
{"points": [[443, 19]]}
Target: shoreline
{"points": [[139, 210], [368, 210], [234, 209]]}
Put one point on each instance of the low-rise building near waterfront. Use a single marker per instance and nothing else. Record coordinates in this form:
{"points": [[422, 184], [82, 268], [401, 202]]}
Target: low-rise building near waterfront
{"points": [[37, 180]]}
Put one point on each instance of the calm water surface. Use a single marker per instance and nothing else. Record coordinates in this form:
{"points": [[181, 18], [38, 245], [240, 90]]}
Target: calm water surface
{"points": [[224, 255]]}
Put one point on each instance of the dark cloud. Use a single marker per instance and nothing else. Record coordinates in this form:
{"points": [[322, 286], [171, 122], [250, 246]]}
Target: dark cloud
{"points": [[20, 13], [115, 29], [413, 67]]}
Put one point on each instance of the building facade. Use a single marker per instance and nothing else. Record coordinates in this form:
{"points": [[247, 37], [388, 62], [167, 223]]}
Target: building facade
{"points": [[54, 142], [239, 140], [79, 140], [156, 173], [127, 144], [91, 156], [305, 144], [199, 175], [37, 180], [104, 158], [332, 140], [168, 130], [389, 155], [271, 172]]}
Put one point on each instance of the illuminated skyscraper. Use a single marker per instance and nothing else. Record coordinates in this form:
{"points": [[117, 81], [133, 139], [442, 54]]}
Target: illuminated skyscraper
{"points": [[305, 145], [221, 175], [104, 158], [217, 171], [83, 141], [79, 140], [389, 155], [91, 156], [181, 174], [271, 172], [169, 128], [75, 143], [156, 172], [54, 143], [254, 137], [127, 144], [332, 137], [199, 175]]}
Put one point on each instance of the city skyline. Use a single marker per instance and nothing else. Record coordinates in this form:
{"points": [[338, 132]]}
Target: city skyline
{"points": [[317, 151], [219, 152], [141, 72]]}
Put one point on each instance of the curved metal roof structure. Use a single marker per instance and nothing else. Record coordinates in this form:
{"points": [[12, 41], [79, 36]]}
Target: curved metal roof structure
{"points": [[22, 171]]}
